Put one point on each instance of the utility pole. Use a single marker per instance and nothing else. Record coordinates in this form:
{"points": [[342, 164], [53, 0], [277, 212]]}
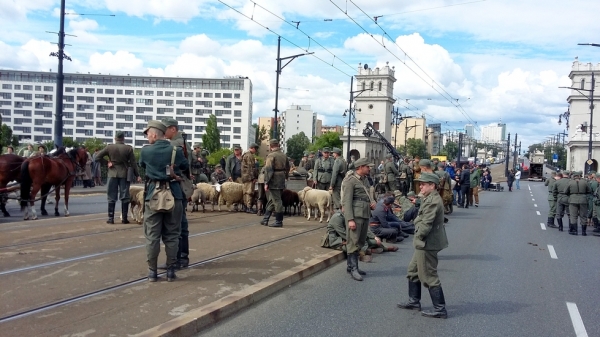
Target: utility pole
{"points": [[460, 143], [507, 156], [58, 112], [516, 158]]}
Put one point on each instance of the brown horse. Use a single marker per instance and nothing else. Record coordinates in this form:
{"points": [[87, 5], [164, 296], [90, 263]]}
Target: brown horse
{"points": [[10, 170], [43, 172]]}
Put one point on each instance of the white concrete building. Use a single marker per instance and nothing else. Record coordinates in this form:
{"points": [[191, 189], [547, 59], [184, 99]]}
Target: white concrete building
{"points": [[99, 105], [493, 133], [296, 119], [579, 120], [470, 130], [373, 105]]}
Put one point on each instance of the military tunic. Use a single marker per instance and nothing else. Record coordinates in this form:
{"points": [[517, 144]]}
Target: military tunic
{"points": [[337, 176], [323, 169], [199, 163], [218, 178], [336, 232], [416, 169], [233, 168], [183, 250], [122, 158], [591, 209], [165, 225], [391, 173], [559, 191], [357, 206], [551, 200], [405, 178], [429, 239], [310, 164], [578, 191], [249, 176], [277, 168]]}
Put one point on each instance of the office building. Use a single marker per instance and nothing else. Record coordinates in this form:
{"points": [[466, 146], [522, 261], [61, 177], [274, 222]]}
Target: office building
{"points": [[493, 133], [299, 118]]}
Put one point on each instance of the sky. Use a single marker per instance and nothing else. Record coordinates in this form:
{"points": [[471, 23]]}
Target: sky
{"points": [[456, 61]]}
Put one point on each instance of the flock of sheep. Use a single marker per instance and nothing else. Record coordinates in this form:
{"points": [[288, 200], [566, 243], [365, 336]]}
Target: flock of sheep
{"points": [[305, 201]]}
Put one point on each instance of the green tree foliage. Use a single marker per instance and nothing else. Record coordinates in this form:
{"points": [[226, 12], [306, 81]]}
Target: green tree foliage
{"points": [[296, 145], [7, 137], [215, 157], [49, 145], [328, 139], [451, 150], [211, 140], [93, 143], [69, 142], [261, 134], [416, 147]]}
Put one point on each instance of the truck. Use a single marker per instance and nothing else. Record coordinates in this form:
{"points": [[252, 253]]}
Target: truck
{"points": [[536, 167]]}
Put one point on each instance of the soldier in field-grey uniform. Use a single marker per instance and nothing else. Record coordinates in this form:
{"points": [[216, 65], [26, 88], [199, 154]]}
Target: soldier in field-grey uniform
{"points": [[322, 171], [277, 168]]}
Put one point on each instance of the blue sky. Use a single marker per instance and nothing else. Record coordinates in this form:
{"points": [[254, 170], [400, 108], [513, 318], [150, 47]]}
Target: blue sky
{"points": [[500, 59]]}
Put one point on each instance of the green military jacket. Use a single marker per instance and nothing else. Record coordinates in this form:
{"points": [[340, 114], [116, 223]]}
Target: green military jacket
{"points": [[578, 191], [277, 168], [593, 185], [196, 165], [155, 158], [405, 171], [178, 140], [475, 178], [249, 170], [122, 157], [323, 169], [310, 164], [559, 190], [550, 183], [218, 178], [390, 170], [355, 198], [338, 172], [230, 165], [429, 224]]}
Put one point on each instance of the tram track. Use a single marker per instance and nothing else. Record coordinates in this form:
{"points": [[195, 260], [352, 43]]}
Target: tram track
{"points": [[24, 244], [101, 291]]}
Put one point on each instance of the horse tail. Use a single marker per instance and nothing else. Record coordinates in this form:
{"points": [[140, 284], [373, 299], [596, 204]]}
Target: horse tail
{"points": [[25, 185]]}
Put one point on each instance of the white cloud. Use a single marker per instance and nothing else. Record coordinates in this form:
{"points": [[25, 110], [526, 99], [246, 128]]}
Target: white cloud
{"points": [[121, 62], [175, 10], [16, 10]]}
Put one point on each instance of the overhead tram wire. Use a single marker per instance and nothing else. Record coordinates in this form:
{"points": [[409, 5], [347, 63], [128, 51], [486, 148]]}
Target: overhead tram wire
{"points": [[288, 40], [432, 8], [446, 95], [449, 98]]}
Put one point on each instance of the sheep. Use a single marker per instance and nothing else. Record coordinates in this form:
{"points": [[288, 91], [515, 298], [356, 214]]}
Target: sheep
{"points": [[198, 199], [136, 194], [290, 199], [231, 193], [209, 193], [317, 199]]}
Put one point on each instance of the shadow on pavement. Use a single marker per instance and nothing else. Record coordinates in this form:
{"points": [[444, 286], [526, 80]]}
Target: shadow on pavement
{"points": [[485, 308]]}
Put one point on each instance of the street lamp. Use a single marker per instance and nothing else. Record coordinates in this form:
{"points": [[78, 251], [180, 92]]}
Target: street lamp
{"points": [[566, 115], [351, 118], [352, 111]]}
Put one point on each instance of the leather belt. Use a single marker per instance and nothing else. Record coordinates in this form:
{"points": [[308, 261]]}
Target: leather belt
{"points": [[362, 199]]}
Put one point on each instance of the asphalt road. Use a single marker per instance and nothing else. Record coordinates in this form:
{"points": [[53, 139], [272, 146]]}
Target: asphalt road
{"points": [[504, 274], [78, 205]]}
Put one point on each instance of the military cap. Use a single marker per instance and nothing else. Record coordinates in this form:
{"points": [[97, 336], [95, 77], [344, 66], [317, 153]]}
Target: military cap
{"points": [[204, 153], [254, 145], [170, 122], [425, 163], [155, 124], [312, 152], [197, 145], [336, 150], [305, 153], [120, 134], [217, 166], [237, 147], [388, 156], [429, 178], [411, 194], [597, 175], [592, 172], [362, 162], [578, 173], [274, 142], [397, 193], [440, 164], [326, 149]]}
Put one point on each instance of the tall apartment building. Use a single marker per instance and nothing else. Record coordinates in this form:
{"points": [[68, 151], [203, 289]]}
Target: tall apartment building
{"points": [[470, 130], [299, 118], [268, 123], [493, 133], [99, 105]]}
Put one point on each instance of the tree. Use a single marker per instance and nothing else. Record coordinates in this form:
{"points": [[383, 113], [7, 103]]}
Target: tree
{"points": [[7, 137], [211, 140], [93, 143], [272, 131], [69, 142], [451, 150], [416, 147], [49, 145], [296, 145], [261, 134], [215, 157], [328, 139]]}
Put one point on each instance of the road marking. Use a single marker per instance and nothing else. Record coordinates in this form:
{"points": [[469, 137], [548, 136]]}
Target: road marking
{"points": [[543, 226], [532, 199], [534, 205], [552, 252], [538, 212], [576, 319], [529, 187]]}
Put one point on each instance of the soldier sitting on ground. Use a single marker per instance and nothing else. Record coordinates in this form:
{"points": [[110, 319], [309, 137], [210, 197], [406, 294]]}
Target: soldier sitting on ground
{"points": [[218, 177]]}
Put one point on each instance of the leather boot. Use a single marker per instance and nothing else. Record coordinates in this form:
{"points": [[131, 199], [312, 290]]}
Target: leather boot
{"points": [[278, 220], [184, 247], [124, 211], [414, 297], [439, 304], [176, 265], [265, 220], [152, 275], [250, 210], [353, 262], [551, 222], [171, 274], [583, 229], [573, 229], [596, 225], [259, 207], [111, 213], [560, 224]]}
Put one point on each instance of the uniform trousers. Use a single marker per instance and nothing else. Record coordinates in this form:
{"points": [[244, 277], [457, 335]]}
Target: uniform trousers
{"points": [[552, 211], [561, 209], [337, 196], [183, 250], [323, 186], [248, 194], [423, 268], [165, 226], [274, 203], [578, 210], [392, 186], [388, 233], [357, 237], [117, 188], [200, 178]]}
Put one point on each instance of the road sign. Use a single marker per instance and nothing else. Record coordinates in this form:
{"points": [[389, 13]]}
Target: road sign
{"points": [[590, 162], [555, 156]]}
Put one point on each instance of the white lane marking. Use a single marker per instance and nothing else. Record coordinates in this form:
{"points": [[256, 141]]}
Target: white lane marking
{"points": [[538, 212], [534, 205], [576, 319], [552, 252], [543, 226], [532, 199], [529, 187]]}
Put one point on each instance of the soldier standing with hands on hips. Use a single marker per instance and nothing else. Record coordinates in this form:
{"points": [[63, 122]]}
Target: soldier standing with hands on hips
{"points": [[356, 206], [429, 239], [337, 176], [277, 168]]}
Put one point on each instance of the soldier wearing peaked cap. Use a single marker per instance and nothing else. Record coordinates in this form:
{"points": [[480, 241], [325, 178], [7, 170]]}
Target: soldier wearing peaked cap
{"points": [[323, 171], [199, 164], [559, 193], [233, 165], [591, 209], [391, 172], [304, 161], [120, 160], [218, 177], [551, 200], [578, 190], [337, 176], [164, 164], [277, 168], [429, 239], [249, 176], [426, 165]]}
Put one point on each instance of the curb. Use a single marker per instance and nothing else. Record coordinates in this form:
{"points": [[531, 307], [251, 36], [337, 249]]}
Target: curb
{"points": [[196, 320]]}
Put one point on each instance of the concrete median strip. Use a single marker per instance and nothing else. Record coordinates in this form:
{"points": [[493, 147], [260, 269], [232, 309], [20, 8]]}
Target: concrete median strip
{"points": [[196, 320]]}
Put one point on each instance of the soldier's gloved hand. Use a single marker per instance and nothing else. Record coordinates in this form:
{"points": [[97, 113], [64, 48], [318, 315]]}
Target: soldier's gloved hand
{"points": [[418, 244]]}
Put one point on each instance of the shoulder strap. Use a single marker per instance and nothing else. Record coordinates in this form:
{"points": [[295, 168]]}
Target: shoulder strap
{"points": [[364, 187], [173, 155]]}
